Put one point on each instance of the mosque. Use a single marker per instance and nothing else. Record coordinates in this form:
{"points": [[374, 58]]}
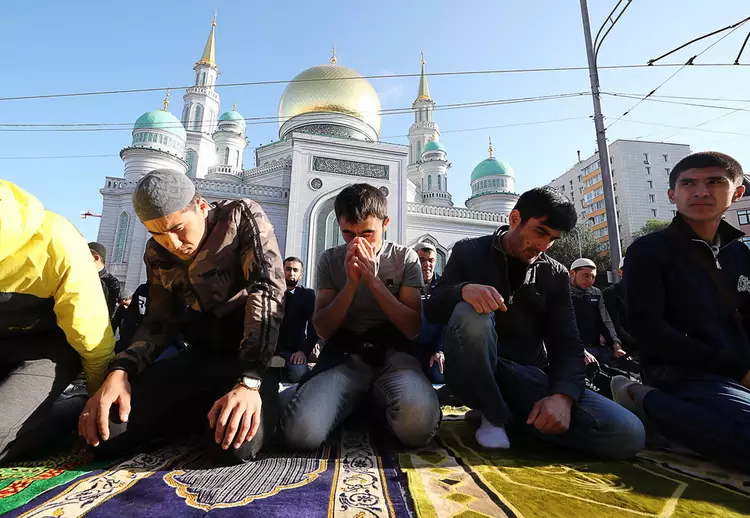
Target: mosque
{"points": [[329, 123]]}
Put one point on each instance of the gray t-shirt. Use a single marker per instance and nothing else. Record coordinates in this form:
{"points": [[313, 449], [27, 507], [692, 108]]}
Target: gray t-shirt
{"points": [[396, 265]]}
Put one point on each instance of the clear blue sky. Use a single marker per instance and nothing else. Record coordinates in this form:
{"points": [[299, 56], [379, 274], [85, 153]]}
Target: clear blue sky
{"points": [[56, 47]]}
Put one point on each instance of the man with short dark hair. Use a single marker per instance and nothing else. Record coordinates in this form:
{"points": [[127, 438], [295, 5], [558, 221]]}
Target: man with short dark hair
{"points": [[688, 305], [592, 318], [511, 346], [297, 336], [215, 278], [367, 309], [110, 283], [430, 335]]}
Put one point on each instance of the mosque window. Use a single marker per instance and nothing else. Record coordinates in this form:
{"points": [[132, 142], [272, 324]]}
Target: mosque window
{"points": [[197, 79], [419, 150], [161, 139], [237, 162], [446, 183], [422, 184], [190, 159], [203, 79], [197, 117], [440, 186], [121, 236], [226, 156], [186, 115], [429, 182]]}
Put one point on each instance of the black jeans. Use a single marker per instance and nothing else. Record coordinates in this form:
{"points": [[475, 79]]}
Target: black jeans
{"points": [[34, 370], [172, 398]]}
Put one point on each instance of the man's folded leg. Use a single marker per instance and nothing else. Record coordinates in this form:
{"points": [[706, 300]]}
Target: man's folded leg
{"points": [[169, 399], [470, 349], [401, 390], [710, 415], [597, 425], [323, 402]]}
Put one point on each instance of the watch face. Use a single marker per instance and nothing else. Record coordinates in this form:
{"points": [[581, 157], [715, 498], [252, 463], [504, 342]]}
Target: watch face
{"points": [[252, 383]]}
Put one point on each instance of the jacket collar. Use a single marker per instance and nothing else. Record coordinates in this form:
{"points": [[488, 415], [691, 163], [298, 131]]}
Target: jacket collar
{"points": [[726, 232]]}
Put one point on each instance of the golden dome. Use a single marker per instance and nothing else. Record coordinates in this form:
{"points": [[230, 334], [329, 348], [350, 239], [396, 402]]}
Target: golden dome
{"points": [[331, 88]]}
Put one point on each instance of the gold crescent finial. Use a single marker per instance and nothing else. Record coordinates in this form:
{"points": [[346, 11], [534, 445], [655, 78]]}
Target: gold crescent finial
{"points": [[490, 138], [166, 100], [213, 23], [234, 106], [422, 51], [333, 55]]}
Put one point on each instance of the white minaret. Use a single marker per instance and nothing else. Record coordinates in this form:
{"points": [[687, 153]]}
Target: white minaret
{"points": [[230, 144], [433, 171], [201, 111], [423, 130]]}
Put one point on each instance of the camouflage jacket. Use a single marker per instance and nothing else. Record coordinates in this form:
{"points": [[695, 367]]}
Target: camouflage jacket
{"points": [[227, 299]]}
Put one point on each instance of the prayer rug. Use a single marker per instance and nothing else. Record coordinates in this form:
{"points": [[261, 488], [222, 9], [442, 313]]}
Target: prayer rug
{"points": [[361, 476]]}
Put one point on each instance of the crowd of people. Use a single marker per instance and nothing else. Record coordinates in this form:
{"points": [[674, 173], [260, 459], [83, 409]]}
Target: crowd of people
{"points": [[202, 347]]}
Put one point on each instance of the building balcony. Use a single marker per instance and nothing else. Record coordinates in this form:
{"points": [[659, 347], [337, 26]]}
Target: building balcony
{"points": [[210, 92], [224, 169], [441, 195], [456, 212]]}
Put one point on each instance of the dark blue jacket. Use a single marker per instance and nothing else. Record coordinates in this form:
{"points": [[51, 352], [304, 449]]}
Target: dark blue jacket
{"points": [[675, 312], [297, 332], [539, 327], [430, 335]]}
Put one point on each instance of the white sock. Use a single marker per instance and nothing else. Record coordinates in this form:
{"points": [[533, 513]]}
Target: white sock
{"points": [[490, 436]]}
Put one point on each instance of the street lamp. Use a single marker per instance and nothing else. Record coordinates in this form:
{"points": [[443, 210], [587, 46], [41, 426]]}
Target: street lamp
{"points": [[613, 229]]}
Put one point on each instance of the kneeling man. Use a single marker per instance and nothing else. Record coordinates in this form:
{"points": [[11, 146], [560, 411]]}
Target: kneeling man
{"points": [[512, 349], [368, 310], [215, 278]]}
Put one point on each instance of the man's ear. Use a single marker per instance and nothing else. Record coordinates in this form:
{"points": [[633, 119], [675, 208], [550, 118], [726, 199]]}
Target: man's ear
{"points": [[739, 192], [386, 222], [514, 219], [670, 195]]}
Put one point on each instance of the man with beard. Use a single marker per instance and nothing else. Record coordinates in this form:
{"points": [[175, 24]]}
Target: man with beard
{"points": [[297, 336], [512, 348]]}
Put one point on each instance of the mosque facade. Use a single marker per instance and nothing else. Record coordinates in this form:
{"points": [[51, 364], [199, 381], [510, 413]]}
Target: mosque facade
{"points": [[329, 123]]}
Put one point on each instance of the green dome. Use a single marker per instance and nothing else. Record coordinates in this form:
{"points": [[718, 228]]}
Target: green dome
{"points": [[433, 145], [163, 120], [491, 167], [231, 116]]}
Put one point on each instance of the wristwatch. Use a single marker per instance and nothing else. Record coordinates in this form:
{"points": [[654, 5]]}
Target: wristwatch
{"points": [[249, 383]]}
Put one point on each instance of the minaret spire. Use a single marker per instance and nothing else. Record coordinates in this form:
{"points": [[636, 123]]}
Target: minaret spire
{"points": [[166, 101], [424, 91], [333, 55], [209, 52], [490, 149]]}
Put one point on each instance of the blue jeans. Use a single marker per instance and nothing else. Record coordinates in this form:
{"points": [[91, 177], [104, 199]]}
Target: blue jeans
{"points": [[398, 389], [708, 414], [505, 391], [293, 372]]}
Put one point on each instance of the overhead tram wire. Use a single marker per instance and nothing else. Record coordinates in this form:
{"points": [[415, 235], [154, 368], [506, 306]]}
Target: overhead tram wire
{"points": [[118, 126], [460, 130], [381, 76], [689, 62]]}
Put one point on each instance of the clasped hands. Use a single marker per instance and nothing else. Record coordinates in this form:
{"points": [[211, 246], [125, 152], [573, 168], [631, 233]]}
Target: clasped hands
{"points": [[360, 261], [235, 417]]}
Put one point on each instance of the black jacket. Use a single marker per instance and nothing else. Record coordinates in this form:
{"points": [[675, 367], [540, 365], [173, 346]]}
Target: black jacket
{"points": [[539, 327], [614, 300], [129, 319], [676, 313], [111, 287], [592, 318], [297, 332]]}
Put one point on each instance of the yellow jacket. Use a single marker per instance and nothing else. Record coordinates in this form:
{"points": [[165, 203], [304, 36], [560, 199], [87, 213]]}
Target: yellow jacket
{"points": [[48, 279]]}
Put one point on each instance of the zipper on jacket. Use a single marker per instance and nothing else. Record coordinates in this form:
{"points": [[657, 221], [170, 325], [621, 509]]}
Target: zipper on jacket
{"points": [[715, 250]]}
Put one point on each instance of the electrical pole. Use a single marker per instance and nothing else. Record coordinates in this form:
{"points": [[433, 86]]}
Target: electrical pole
{"points": [[601, 140]]}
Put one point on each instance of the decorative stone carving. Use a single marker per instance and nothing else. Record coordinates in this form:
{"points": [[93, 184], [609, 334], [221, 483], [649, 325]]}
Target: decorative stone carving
{"points": [[384, 190], [316, 183], [349, 167], [332, 130]]}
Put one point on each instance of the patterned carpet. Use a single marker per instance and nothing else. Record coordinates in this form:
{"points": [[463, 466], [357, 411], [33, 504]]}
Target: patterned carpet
{"points": [[358, 477]]}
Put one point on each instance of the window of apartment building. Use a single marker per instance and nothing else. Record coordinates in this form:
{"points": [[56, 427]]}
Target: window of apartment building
{"points": [[744, 217], [653, 211], [652, 198], [746, 240], [618, 214], [648, 170], [611, 159], [580, 190], [562, 187], [614, 186], [579, 178], [645, 158], [650, 184], [666, 158], [674, 213], [666, 170]]}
